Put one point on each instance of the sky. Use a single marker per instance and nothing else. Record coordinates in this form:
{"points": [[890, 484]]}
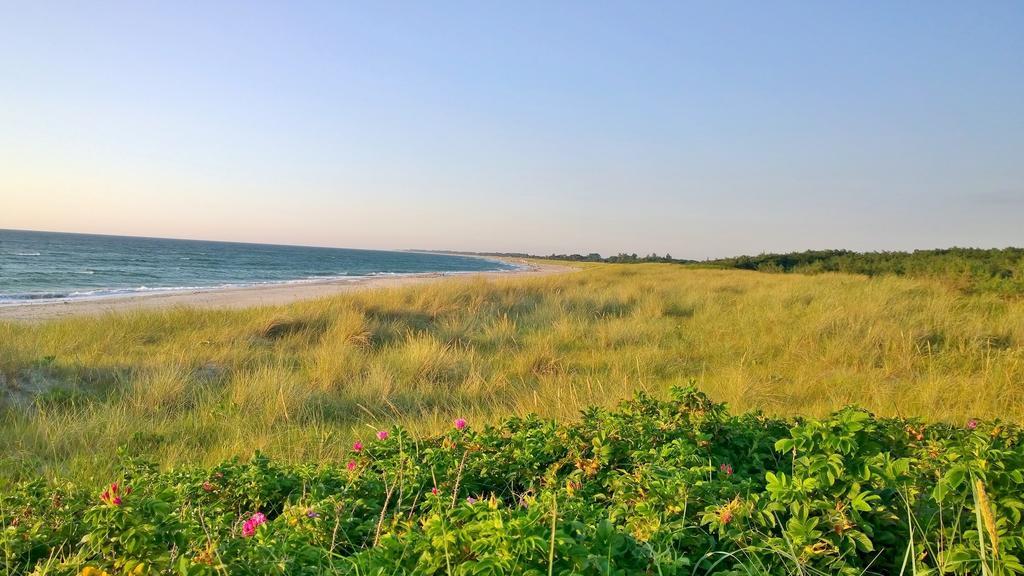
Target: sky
{"points": [[699, 129]]}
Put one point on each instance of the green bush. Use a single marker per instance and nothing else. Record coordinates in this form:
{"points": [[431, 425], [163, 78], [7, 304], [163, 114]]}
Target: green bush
{"points": [[653, 487], [993, 270]]}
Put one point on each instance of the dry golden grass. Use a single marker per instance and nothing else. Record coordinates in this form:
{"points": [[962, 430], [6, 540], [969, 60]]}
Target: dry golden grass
{"points": [[302, 381]]}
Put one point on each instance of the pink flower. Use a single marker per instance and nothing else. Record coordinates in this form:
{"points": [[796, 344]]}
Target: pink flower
{"points": [[357, 447], [972, 424], [435, 491], [471, 500], [382, 435], [254, 522], [112, 495], [726, 468], [351, 465], [460, 424]]}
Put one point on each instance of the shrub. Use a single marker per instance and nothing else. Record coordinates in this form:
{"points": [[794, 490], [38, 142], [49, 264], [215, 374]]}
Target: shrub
{"points": [[656, 487]]}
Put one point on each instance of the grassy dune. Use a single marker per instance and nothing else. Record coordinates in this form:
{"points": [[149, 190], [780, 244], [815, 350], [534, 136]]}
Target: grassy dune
{"points": [[300, 382]]}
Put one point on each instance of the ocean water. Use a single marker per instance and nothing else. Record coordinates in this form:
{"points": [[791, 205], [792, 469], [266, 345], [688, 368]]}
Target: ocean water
{"points": [[50, 266]]}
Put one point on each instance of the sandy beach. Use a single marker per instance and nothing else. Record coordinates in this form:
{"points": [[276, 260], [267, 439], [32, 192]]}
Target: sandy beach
{"points": [[245, 297]]}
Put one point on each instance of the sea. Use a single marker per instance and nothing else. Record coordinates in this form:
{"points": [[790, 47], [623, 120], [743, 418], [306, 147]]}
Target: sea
{"points": [[40, 266]]}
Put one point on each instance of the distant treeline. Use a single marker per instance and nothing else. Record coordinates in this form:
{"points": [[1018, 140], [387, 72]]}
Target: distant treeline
{"points": [[974, 269], [999, 270], [621, 258]]}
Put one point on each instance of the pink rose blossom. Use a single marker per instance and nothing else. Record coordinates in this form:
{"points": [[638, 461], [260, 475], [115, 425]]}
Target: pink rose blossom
{"points": [[112, 495], [254, 522]]}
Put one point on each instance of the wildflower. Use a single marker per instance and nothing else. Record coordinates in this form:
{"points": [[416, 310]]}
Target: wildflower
{"points": [[434, 491], [357, 447], [112, 495], [916, 434], [470, 500], [972, 424], [460, 424], [254, 522], [207, 487], [727, 513], [726, 468], [351, 465], [312, 513], [382, 435]]}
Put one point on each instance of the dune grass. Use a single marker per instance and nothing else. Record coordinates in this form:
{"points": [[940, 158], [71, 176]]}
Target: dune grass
{"points": [[301, 381]]}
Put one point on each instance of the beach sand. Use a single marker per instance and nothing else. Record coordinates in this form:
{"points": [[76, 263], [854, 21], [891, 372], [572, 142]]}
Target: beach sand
{"points": [[270, 294]]}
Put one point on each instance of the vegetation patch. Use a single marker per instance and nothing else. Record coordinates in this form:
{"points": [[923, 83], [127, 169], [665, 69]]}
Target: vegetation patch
{"points": [[674, 487], [300, 382]]}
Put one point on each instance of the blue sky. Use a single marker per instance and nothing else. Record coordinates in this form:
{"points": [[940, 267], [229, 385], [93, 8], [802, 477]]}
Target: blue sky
{"points": [[700, 129]]}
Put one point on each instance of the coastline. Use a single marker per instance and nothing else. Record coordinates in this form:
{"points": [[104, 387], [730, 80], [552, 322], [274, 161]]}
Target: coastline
{"points": [[248, 296]]}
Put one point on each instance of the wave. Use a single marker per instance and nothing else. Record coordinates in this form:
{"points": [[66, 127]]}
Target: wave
{"points": [[38, 297], [25, 297], [27, 254], [31, 296], [59, 284]]}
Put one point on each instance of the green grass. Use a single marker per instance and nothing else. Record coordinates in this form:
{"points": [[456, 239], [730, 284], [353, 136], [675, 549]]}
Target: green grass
{"points": [[299, 382]]}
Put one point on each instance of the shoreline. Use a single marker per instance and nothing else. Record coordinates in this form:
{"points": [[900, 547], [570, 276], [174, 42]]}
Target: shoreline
{"points": [[247, 296]]}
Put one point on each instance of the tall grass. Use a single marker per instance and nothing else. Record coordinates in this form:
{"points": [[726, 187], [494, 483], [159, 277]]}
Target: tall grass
{"points": [[302, 381]]}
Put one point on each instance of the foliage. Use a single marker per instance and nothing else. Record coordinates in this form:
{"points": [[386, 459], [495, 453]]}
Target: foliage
{"points": [[973, 269], [620, 258], [992, 270], [652, 487]]}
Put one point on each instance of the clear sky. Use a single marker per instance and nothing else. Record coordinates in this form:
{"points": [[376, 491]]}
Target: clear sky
{"points": [[700, 129]]}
